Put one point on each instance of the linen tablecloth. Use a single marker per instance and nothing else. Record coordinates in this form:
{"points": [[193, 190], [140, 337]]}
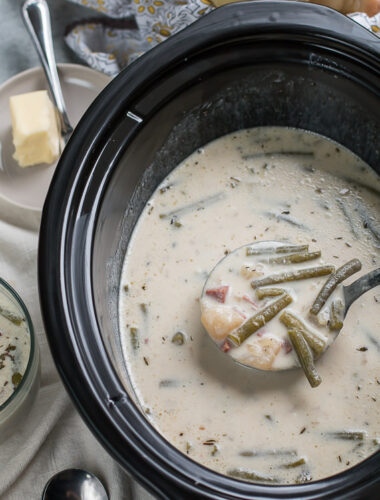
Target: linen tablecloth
{"points": [[53, 437]]}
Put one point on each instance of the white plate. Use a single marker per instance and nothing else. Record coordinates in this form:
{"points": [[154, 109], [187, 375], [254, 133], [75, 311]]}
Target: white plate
{"points": [[27, 187]]}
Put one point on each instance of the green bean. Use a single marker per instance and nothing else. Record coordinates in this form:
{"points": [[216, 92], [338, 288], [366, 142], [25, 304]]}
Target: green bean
{"points": [[295, 258], [336, 316], [344, 272], [292, 248], [348, 218], [198, 205], [269, 453], [282, 249], [134, 338], [305, 357], [348, 435], [316, 341], [277, 153], [259, 319], [369, 222], [292, 221], [178, 338], [269, 292], [168, 383], [300, 274], [286, 218], [248, 453], [10, 316], [250, 475], [293, 465]]}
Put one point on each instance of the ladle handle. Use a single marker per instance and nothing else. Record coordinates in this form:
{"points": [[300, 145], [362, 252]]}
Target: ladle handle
{"points": [[360, 286], [36, 17]]}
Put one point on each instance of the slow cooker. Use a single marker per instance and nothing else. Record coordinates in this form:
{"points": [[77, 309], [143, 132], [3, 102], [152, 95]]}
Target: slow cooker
{"points": [[243, 65]]}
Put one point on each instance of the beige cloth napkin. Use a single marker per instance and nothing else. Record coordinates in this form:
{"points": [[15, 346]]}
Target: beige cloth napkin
{"points": [[53, 436], [128, 28]]}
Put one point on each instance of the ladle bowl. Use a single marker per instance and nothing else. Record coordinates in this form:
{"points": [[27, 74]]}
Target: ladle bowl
{"points": [[247, 296]]}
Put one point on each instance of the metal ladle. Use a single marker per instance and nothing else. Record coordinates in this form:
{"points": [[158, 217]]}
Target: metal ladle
{"points": [[359, 287], [36, 16], [270, 249]]}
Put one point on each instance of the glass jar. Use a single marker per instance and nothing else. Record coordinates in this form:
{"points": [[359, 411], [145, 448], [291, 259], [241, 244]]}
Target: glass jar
{"points": [[19, 361]]}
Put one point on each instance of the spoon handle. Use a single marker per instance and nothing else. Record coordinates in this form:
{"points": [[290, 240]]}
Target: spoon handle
{"points": [[36, 17], [360, 286]]}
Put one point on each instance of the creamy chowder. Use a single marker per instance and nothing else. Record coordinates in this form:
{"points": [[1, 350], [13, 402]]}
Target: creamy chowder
{"points": [[263, 184], [14, 346]]}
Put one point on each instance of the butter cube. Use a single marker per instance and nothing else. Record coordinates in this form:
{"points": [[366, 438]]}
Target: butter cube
{"points": [[35, 130]]}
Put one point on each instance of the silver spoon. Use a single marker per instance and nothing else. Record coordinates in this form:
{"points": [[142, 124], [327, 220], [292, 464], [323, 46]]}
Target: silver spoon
{"points": [[217, 319], [36, 17], [75, 484]]}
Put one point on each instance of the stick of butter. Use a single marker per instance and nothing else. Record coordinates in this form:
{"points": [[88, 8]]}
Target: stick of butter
{"points": [[35, 130]]}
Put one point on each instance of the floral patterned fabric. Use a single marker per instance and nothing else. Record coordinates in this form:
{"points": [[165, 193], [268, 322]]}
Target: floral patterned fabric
{"points": [[131, 27]]}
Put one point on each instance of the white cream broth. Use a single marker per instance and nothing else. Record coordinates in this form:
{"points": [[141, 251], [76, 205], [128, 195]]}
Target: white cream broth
{"points": [[14, 347], [254, 185]]}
